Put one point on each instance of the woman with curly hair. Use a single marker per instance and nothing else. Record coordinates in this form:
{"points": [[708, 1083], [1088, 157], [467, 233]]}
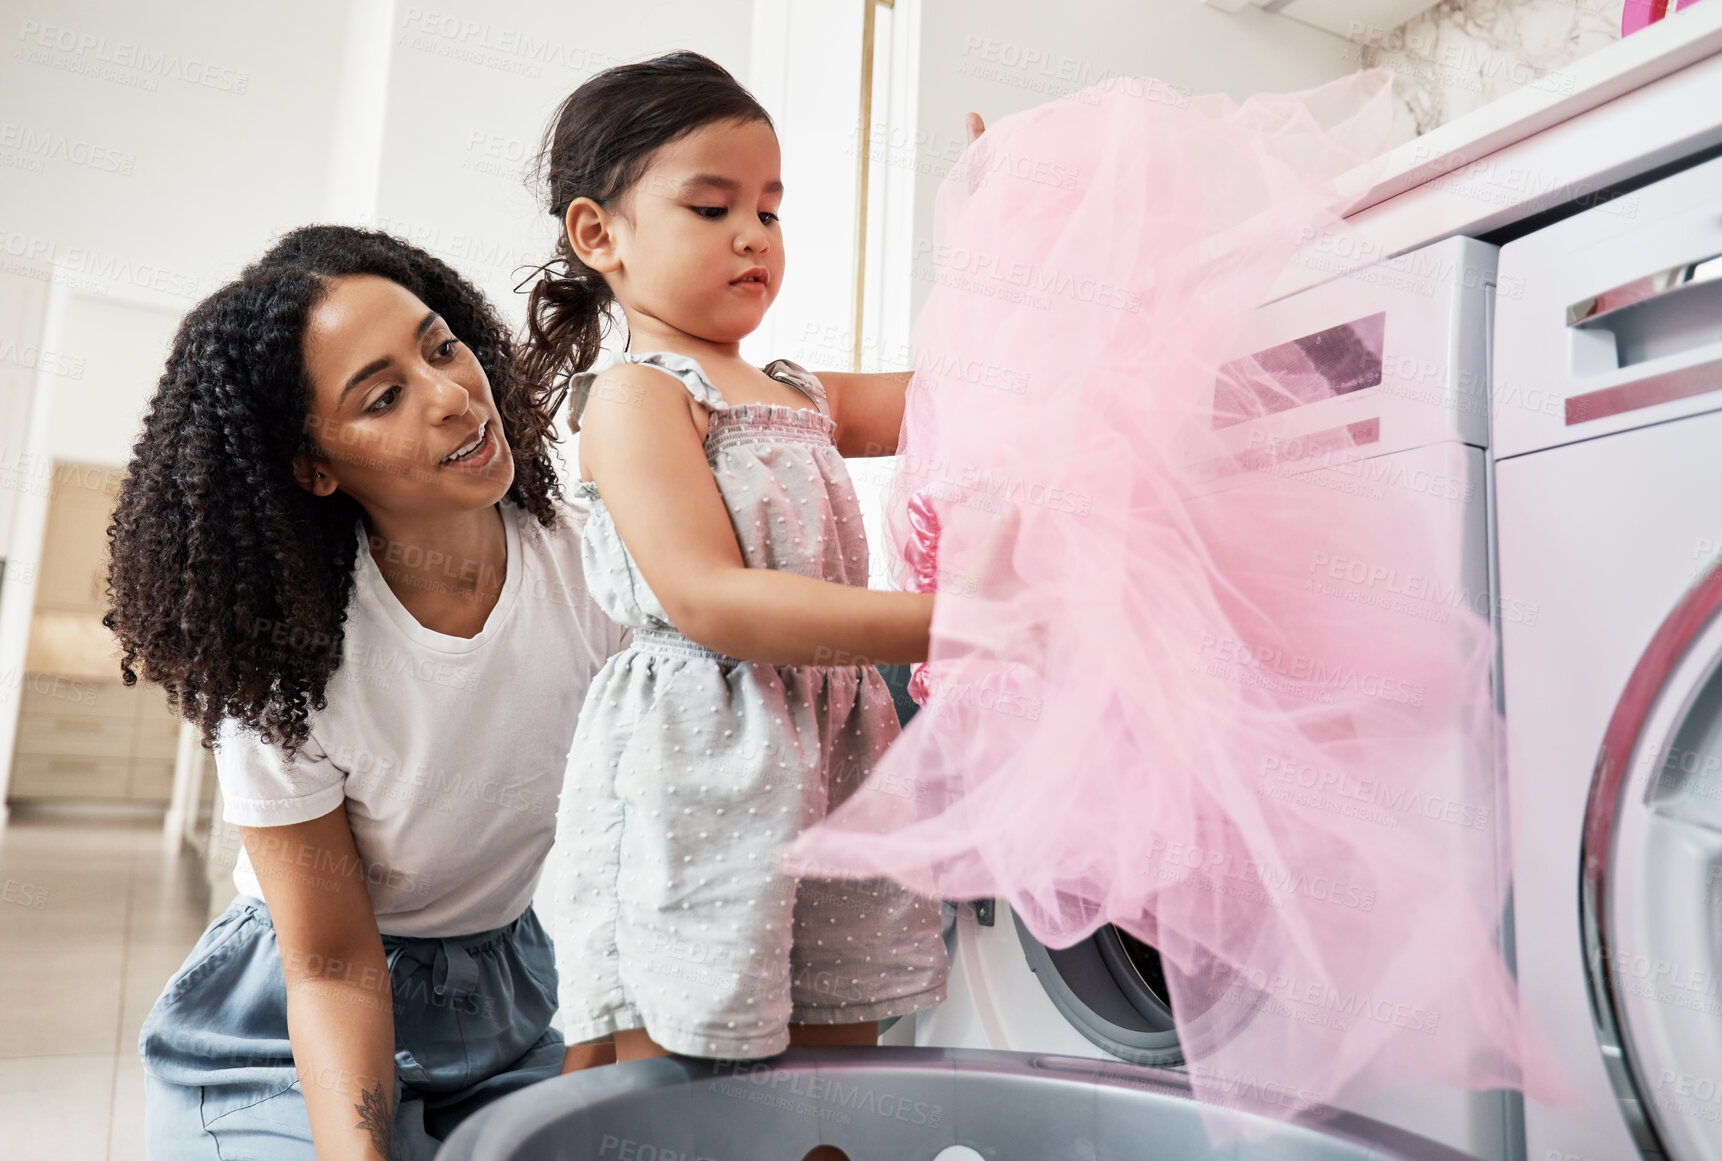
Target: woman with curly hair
{"points": [[341, 549]]}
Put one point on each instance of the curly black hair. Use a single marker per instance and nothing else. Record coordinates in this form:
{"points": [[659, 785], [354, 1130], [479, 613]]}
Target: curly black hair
{"points": [[228, 583]]}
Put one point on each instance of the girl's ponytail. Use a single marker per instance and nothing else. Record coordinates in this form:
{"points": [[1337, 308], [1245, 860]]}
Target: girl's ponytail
{"points": [[598, 145], [566, 312]]}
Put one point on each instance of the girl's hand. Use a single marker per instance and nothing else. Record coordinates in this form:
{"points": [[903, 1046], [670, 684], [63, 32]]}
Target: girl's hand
{"points": [[588, 1055], [921, 554], [996, 578], [974, 127], [993, 576], [1003, 617]]}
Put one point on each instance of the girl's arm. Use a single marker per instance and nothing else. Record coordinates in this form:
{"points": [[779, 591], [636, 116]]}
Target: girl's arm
{"points": [[639, 441], [340, 1002], [867, 408]]}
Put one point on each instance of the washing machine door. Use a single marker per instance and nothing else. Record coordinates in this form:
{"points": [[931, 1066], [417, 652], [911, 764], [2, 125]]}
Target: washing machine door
{"points": [[1651, 886], [1111, 988]]}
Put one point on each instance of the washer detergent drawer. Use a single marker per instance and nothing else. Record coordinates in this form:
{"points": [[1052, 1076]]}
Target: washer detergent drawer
{"points": [[1396, 353], [1611, 319]]}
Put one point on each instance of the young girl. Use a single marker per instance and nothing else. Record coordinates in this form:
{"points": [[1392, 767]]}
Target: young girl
{"points": [[340, 549], [725, 531]]}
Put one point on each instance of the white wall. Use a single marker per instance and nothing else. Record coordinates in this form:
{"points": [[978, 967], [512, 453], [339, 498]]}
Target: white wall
{"points": [[23, 302], [807, 73], [154, 142], [146, 151]]}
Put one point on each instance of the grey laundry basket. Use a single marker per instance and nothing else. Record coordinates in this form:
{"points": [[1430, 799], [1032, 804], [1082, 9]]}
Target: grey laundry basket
{"points": [[894, 1104]]}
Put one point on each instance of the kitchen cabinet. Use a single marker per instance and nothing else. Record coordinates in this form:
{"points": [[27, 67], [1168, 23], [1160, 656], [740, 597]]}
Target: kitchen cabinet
{"points": [[81, 739]]}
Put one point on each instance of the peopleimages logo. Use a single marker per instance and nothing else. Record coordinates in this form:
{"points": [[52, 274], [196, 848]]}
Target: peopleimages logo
{"points": [[915, 472], [87, 52], [1673, 1083], [100, 269], [833, 1092], [1331, 574], [1275, 882], [503, 40], [1308, 670], [33, 358], [1320, 996], [1028, 276], [72, 689], [42, 145], [1400, 800]]}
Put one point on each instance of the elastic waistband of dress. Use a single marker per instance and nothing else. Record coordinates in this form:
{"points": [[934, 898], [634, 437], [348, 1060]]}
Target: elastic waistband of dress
{"points": [[670, 641]]}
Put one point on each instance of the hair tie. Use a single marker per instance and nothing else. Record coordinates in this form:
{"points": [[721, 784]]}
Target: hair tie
{"points": [[541, 270], [584, 277]]}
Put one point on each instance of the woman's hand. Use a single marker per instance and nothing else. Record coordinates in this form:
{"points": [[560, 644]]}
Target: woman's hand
{"points": [[974, 126]]}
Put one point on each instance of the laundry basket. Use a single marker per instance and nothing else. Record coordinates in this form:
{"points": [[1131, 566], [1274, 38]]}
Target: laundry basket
{"points": [[895, 1104]]}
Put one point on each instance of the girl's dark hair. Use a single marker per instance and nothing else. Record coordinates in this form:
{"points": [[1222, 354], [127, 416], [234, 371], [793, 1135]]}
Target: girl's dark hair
{"points": [[598, 145], [228, 583]]}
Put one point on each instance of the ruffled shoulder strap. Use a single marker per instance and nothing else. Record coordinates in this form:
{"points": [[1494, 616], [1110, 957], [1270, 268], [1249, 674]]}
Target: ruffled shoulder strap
{"points": [[681, 366], [803, 380]]}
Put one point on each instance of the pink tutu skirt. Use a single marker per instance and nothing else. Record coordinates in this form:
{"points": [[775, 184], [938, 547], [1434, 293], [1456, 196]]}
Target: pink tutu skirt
{"points": [[1140, 709]]}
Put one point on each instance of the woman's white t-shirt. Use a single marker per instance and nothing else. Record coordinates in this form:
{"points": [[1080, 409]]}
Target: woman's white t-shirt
{"points": [[448, 751]]}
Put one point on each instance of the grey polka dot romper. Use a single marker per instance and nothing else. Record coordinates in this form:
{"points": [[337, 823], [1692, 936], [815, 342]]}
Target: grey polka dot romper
{"points": [[690, 769]]}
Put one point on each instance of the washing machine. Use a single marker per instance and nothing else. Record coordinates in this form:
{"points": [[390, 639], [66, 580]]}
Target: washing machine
{"points": [[1388, 366], [1608, 444]]}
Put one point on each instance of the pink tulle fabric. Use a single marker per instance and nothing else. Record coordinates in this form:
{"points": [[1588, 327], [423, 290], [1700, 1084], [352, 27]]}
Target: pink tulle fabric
{"points": [[921, 571], [1148, 701]]}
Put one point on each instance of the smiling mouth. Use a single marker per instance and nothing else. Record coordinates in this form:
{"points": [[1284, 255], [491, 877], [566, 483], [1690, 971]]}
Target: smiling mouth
{"points": [[469, 449]]}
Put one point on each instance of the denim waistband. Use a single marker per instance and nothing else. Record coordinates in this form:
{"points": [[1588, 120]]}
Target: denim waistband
{"points": [[450, 958], [474, 941], [466, 1007]]}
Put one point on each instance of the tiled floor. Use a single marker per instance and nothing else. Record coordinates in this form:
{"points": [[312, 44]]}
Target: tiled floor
{"points": [[94, 918]]}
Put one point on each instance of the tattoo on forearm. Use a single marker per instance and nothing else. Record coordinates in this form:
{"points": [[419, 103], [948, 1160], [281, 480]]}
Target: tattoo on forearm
{"points": [[374, 1116]]}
